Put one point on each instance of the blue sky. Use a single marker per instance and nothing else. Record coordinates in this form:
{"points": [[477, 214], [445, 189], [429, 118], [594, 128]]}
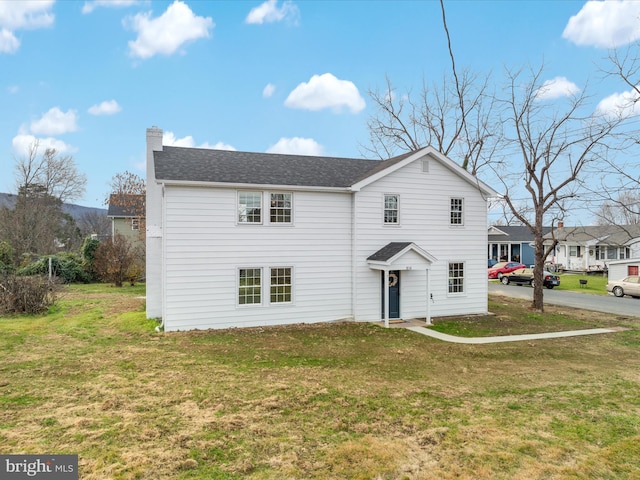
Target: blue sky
{"points": [[89, 77]]}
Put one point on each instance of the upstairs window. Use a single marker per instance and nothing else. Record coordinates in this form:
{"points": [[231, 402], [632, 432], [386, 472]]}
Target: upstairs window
{"points": [[392, 209], [280, 208], [135, 224], [249, 207], [456, 211]]}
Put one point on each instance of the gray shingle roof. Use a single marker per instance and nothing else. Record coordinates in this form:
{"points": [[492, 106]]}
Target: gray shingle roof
{"points": [[515, 233], [388, 251], [128, 205], [604, 234], [207, 165]]}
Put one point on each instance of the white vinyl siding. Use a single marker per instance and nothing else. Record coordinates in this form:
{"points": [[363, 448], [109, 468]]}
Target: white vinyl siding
{"points": [[426, 214], [204, 249]]}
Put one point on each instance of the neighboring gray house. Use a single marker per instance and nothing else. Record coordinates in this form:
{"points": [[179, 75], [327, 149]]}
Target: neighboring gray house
{"points": [[126, 213], [512, 243], [238, 239], [593, 248]]}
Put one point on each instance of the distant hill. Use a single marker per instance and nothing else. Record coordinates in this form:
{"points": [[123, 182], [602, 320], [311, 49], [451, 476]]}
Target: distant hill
{"points": [[76, 211]]}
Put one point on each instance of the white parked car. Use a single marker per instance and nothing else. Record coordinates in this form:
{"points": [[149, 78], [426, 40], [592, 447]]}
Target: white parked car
{"points": [[626, 286]]}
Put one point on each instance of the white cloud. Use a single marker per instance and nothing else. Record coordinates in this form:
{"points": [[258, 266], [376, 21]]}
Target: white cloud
{"points": [[8, 42], [108, 107], [268, 12], [606, 24], [556, 88], [22, 16], [169, 139], [297, 146], [22, 142], [268, 90], [326, 91], [90, 6], [55, 122], [218, 146], [167, 33], [625, 104], [26, 15]]}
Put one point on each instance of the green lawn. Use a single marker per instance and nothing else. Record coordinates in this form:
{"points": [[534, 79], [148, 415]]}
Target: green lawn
{"points": [[324, 401], [595, 283]]}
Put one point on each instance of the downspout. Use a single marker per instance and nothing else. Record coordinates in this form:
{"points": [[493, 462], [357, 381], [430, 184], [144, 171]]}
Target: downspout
{"points": [[385, 289], [429, 299]]}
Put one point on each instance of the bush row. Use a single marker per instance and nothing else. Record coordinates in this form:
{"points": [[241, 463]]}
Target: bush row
{"points": [[26, 294]]}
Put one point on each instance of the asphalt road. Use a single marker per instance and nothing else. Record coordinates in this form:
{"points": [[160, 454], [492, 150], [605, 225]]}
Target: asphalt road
{"points": [[626, 306]]}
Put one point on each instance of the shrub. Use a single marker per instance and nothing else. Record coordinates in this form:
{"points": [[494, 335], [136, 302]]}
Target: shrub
{"points": [[7, 255], [114, 258], [66, 266], [32, 295], [89, 248]]}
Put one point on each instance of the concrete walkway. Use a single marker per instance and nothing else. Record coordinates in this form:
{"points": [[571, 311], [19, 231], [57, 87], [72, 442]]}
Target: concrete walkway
{"points": [[510, 338]]}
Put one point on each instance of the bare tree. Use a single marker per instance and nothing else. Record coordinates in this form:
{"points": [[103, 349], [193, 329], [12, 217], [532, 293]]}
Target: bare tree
{"points": [[456, 117], [551, 146], [36, 224], [95, 223], [619, 190], [624, 209], [50, 174]]}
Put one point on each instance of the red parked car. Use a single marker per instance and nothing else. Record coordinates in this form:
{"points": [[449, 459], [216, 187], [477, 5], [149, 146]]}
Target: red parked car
{"points": [[501, 268]]}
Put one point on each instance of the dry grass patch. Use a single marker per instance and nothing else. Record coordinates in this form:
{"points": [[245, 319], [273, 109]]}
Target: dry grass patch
{"points": [[316, 401]]}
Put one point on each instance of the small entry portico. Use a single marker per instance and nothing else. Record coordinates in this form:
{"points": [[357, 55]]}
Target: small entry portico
{"points": [[392, 260]]}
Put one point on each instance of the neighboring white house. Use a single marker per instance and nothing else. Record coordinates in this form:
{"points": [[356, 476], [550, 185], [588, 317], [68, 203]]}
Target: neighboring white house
{"points": [[238, 239], [594, 248]]}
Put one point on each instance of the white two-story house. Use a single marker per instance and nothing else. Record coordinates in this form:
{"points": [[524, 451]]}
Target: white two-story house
{"points": [[238, 239]]}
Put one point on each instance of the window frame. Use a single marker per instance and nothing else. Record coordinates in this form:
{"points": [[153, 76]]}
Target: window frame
{"points": [[239, 215], [135, 224], [240, 295], [459, 280], [385, 209], [272, 208], [455, 212], [276, 285]]}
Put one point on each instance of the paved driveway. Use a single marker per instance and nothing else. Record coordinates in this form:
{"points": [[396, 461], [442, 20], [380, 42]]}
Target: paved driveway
{"points": [[626, 306]]}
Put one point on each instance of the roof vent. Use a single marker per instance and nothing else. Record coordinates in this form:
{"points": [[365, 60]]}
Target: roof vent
{"points": [[425, 166]]}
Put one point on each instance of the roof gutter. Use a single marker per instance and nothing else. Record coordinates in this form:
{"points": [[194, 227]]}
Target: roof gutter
{"points": [[189, 183]]}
